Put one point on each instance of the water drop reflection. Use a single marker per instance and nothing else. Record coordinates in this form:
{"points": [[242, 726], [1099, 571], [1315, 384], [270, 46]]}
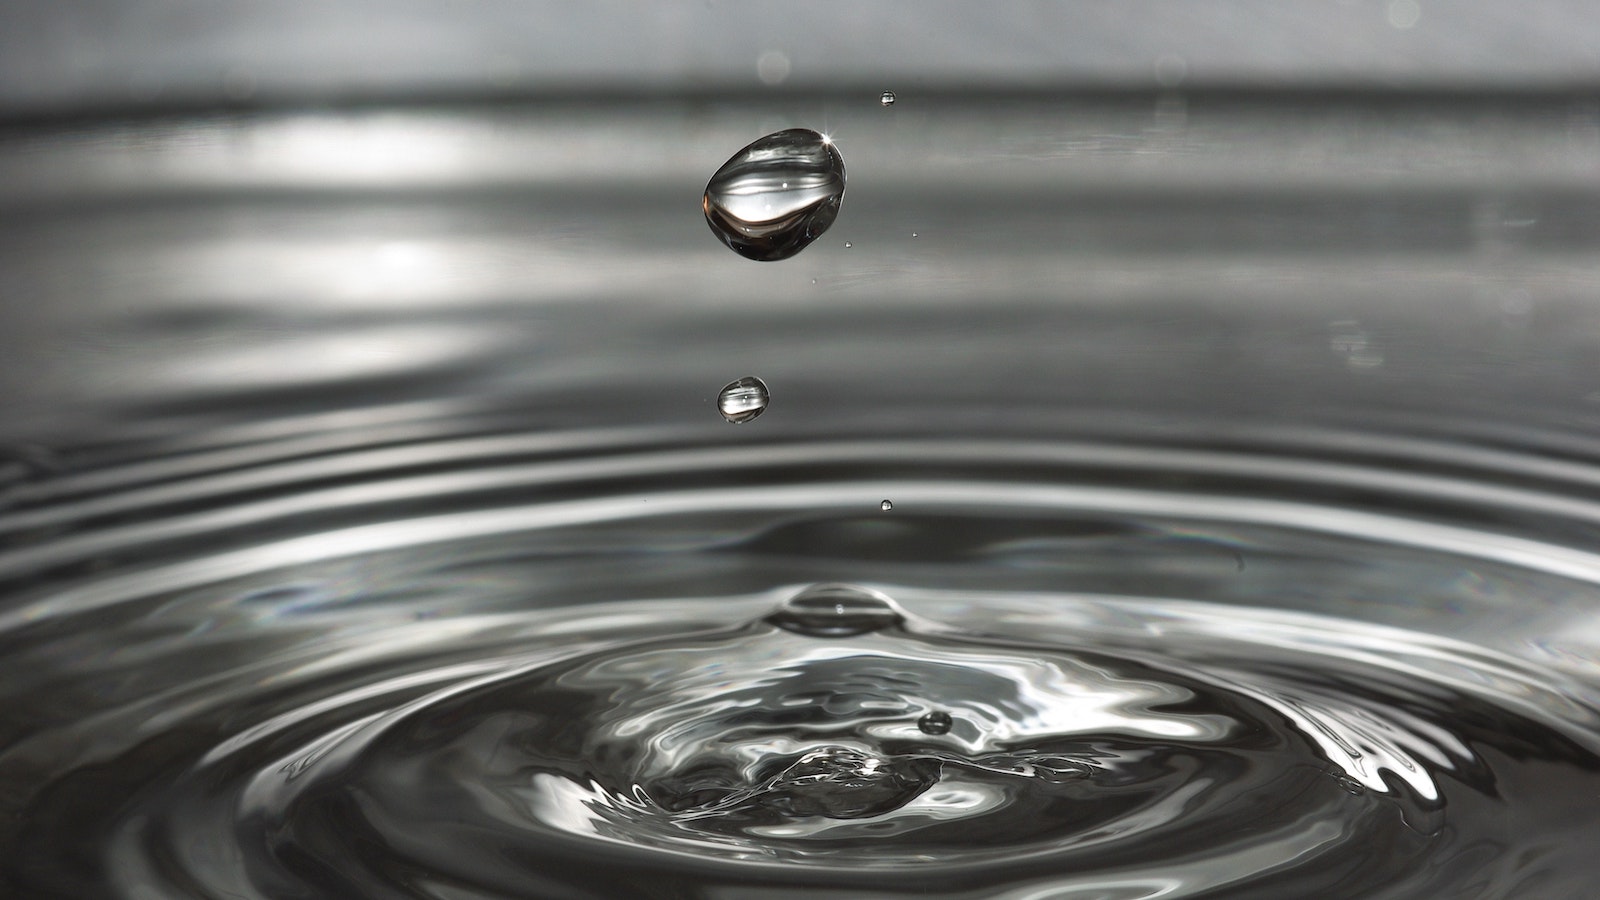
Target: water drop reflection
{"points": [[743, 400], [777, 195]]}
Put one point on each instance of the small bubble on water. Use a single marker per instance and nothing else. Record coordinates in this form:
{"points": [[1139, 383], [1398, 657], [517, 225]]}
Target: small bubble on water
{"points": [[743, 400], [887, 98], [776, 196], [886, 506], [935, 723], [836, 610]]}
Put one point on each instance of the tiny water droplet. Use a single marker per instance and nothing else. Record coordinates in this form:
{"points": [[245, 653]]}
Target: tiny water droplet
{"points": [[887, 99], [836, 610], [913, 234], [743, 400], [886, 506], [776, 196], [848, 245], [935, 723]]}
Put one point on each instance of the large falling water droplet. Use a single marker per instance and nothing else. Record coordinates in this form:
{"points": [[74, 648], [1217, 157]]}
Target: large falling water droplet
{"points": [[743, 400], [935, 722], [776, 196], [836, 610]]}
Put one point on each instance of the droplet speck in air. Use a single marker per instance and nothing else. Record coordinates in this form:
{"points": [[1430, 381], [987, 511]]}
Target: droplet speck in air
{"points": [[743, 400], [776, 196], [886, 506], [887, 99]]}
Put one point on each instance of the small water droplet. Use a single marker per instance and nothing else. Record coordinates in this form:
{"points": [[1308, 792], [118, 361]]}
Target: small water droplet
{"points": [[743, 400], [886, 506], [935, 723], [848, 245], [913, 234], [776, 196], [887, 99], [836, 610]]}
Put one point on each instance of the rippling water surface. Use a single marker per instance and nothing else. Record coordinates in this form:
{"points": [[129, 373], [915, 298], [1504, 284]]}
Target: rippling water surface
{"points": [[1113, 539]]}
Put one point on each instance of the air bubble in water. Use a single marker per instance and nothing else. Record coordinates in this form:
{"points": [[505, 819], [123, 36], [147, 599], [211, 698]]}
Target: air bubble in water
{"points": [[935, 723], [886, 506], [776, 196], [887, 99], [836, 610], [743, 400]]}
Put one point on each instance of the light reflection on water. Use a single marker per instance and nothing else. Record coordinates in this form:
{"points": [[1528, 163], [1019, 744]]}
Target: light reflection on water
{"points": [[1233, 511]]}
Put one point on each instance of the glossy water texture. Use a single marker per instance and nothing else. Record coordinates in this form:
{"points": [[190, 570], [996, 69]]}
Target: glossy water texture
{"points": [[741, 401], [622, 690], [776, 196], [369, 529]]}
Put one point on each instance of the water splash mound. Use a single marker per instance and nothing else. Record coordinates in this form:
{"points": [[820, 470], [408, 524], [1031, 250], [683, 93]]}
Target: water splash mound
{"points": [[599, 693]]}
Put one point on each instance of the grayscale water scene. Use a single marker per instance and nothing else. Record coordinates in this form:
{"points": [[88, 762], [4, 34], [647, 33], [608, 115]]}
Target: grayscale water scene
{"points": [[1184, 480]]}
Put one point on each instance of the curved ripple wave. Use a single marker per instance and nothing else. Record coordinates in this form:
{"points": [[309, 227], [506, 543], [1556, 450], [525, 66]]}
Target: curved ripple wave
{"points": [[511, 665]]}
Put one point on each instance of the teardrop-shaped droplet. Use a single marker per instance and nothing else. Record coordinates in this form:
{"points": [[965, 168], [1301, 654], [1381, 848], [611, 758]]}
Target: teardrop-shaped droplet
{"points": [[776, 196], [935, 723], [743, 400], [887, 99], [836, 610]]}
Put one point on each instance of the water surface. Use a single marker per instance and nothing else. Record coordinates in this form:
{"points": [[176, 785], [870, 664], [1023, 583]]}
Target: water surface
{"points": [[370, 528]]}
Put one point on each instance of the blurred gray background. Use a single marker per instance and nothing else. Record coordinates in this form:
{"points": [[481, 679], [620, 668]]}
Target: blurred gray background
{"points": [[1378, 213], [60, 57]]}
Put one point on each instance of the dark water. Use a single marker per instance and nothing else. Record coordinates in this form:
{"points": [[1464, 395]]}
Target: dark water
{"points": [[626, 688], [1194, 508]]}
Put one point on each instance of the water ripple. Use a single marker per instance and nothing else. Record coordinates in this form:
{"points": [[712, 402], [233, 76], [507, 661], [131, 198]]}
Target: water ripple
{"points": [[589, 665]]}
